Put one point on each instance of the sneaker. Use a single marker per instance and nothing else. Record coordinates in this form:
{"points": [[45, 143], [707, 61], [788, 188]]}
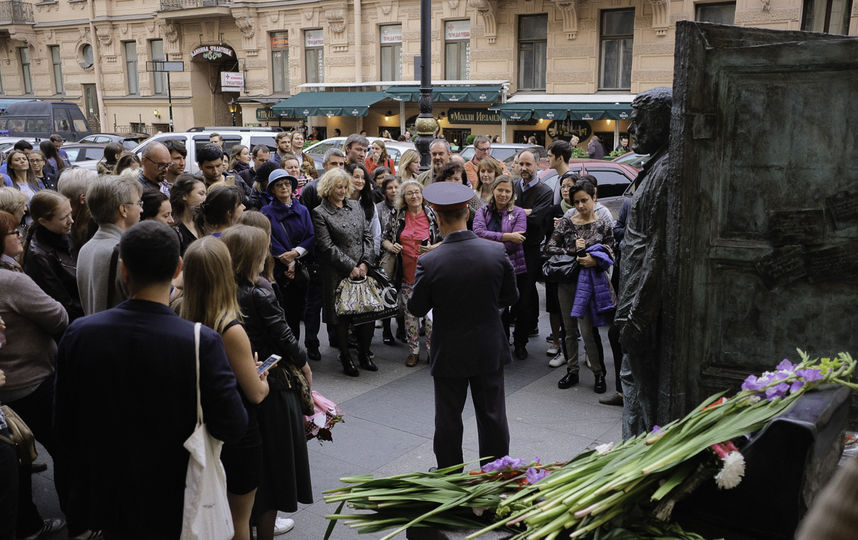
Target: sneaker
{"points": [[49, 526], [552, 351], [557, 361], [283, 525], [549, 338]]}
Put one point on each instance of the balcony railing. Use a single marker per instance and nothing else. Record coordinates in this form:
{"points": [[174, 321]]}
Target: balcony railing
{"points": [[173, 5], [16, 12]]}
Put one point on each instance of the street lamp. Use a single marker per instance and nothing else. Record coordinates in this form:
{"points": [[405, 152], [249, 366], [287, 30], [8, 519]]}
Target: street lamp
{"points": [[233, 108], [426, 124]]}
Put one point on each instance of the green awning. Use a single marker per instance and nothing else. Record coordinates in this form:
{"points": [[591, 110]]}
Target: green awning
{"points": [[560, 111], [328, 104], [472, 94]]}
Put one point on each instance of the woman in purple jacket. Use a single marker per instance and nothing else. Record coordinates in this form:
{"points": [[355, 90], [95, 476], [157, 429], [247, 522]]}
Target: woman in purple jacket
{"points": [[292, 244], [501, 221]]}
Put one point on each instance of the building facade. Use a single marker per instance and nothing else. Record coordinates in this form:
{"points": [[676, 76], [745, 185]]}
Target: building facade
{"points": [[108, 57]]}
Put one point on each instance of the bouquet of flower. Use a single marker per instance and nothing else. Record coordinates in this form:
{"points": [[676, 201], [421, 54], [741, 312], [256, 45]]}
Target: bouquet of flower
{"points": [[599, 490], [326, 413]]}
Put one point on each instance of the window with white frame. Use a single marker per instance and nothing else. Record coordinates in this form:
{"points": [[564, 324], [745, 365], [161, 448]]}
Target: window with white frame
{"points": [[131, 75], [57, 64], [390, 37], [829, 16], [457, 50], [314, 55], [159, 78], [24, 56], [718, 13]]}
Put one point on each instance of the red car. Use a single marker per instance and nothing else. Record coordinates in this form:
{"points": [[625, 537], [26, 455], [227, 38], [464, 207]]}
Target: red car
{"points": [[613, 179]]}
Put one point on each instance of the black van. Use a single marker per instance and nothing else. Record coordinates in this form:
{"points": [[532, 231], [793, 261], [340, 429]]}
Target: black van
{"points": [[39, 119]]}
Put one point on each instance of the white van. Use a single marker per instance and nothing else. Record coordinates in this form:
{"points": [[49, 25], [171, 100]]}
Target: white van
{"points": [[195, 139]]}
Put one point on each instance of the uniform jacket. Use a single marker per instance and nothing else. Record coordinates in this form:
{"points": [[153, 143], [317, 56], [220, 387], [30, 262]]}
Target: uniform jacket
{"points": [[123, 409], [343, 240], [511, 221], [471, 341]]}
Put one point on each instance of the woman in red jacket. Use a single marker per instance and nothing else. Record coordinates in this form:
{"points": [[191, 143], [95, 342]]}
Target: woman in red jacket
{"points": [[378, 158]]}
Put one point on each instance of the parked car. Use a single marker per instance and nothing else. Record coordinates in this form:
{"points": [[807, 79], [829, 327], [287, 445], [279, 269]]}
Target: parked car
{"points": [[6, 143], [504, 152], [317, 151], [195, 139], [40, 119], [633, 159], [614, 179], [84, 155], [129, 141]]}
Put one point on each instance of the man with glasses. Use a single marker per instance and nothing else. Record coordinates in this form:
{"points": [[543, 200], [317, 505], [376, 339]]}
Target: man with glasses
{"points": [[153, 173], [482, 150]]}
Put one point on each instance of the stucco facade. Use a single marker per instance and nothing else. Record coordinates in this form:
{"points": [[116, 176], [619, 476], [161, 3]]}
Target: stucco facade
{"points": [[350, 43]]}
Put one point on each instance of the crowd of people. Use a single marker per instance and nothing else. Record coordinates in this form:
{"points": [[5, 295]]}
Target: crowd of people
{"points": [[251, 247]]}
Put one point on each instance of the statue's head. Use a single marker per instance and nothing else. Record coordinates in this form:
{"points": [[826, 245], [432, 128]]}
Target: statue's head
{"points": [[650, 125]]}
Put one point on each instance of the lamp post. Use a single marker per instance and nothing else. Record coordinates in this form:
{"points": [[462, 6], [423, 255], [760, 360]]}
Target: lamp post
{"points": [[233, 108], [426, 124]]}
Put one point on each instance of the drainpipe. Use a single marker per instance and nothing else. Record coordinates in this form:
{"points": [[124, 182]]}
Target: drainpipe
{"points": [[96, 57]]}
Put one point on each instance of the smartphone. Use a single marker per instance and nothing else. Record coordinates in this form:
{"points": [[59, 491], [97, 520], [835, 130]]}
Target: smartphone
{"points": [[268, 364], [425, 242]]}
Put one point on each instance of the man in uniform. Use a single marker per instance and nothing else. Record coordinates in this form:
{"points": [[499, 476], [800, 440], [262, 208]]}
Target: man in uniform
{"points": [[468, 347]]}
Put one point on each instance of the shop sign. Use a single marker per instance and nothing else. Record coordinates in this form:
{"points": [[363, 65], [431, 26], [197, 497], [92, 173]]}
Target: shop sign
{"points": [[266, 114], [457, 30], [279, 40], [391, 33], [480, 116], [567, 128], [231, 80], [314, 38], [213, 52]]}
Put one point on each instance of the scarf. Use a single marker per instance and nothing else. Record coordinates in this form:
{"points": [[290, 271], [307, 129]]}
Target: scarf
{"points": [[565, 206]]}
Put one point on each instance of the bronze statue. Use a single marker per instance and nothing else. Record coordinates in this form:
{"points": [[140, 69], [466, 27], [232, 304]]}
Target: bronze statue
{"points": [[642, 271]]}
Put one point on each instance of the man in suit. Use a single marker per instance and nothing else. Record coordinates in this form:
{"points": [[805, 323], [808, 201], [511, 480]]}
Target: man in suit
{"points": [[535, 197], [468, 347], [125, 403]]}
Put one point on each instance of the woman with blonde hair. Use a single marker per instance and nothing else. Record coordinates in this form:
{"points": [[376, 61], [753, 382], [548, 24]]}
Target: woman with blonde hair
{"points": [[487, 171], [13, 201], [409, 165], [210, 298], [239, 159], [344, 249], [285, 478], [378, 157], [49, 257]]}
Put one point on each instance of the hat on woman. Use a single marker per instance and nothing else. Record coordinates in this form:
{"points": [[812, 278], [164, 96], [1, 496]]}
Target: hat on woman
{"points": [[280, 174]]}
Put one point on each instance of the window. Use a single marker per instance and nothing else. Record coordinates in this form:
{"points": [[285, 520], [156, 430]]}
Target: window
{"points": [[391, 52], [58, 69], [314, 56], [1, 85], [615, 59], [159, 78], [280, 61], [457, 50], [131, 66], [829, 16], [24, 54], [532, 34], [720, 13]]}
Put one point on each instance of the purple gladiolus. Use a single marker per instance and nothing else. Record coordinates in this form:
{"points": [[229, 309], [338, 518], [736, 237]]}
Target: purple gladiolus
{"points": [[809, 375], [753, 384], [503, 463], [785, 365], [776, 391], [535, 475], [796, 386]]}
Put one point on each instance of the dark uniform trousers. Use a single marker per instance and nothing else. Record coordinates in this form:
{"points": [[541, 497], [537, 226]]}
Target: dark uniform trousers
{"points": [[487, 392]]}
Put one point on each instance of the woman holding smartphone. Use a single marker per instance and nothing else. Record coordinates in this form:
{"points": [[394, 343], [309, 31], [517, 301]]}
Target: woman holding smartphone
{"points": [[210, 298], [285, 477]]}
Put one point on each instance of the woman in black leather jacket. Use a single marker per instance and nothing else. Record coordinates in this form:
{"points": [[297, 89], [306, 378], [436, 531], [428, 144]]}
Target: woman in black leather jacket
{"points": [[48, 252], [285, 477]]}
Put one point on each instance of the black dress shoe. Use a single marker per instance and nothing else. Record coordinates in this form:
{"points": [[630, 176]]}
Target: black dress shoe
{"points": [[568, 381], [367, 364], [600, 387], [349, 367], [387, 339], [616, 400], [520, 352], [313, 352]]}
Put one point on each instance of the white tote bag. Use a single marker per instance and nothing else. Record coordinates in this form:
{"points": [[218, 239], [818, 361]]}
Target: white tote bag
{"points": [[206, 513]]}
